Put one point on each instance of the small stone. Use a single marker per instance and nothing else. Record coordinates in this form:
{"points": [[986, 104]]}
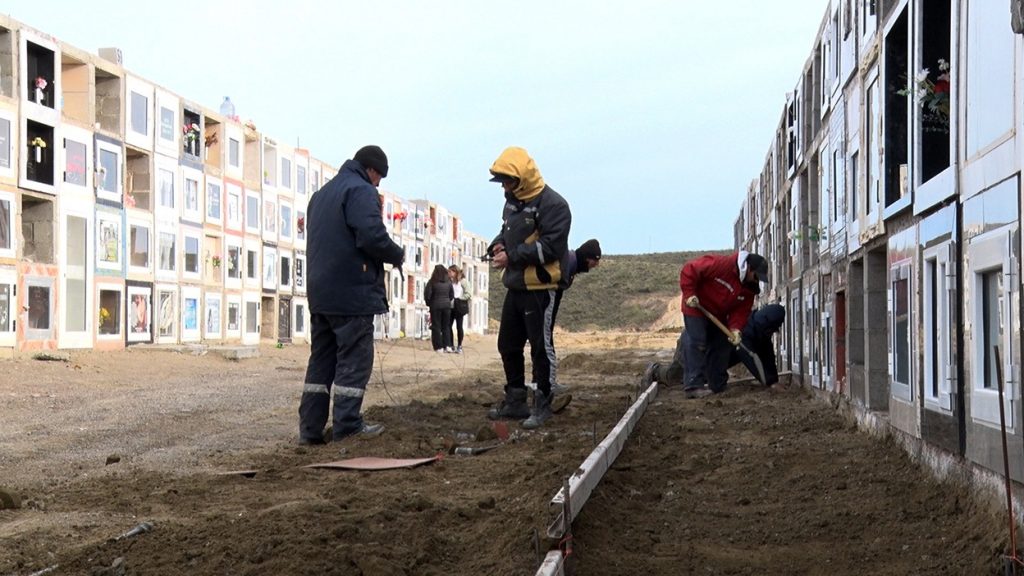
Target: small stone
{"points": [[51, 357], [485, 433], [113, 459], [9, 500], [487, 503]]}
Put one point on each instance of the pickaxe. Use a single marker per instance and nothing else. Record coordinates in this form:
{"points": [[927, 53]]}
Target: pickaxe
{"points": [[728, 334]]}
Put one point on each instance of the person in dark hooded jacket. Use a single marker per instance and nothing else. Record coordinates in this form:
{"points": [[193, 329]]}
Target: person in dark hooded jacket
{"points": [[438, 295], [578, 261], [347, 246], [530, 250], [757, 337]]}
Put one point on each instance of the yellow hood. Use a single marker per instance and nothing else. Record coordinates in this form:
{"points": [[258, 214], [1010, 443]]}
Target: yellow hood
{"points": [[514, 161]]}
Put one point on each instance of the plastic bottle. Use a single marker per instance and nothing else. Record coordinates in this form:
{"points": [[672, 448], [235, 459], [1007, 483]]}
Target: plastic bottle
{"points": [[227, 108]]}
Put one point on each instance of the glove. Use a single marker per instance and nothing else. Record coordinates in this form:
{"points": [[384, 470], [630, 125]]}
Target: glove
{"points": [[692, 301], [735, 339]]}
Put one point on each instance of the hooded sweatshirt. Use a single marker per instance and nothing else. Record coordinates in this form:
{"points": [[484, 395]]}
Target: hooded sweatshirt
{"points": [[757, 337], [535, 226]]}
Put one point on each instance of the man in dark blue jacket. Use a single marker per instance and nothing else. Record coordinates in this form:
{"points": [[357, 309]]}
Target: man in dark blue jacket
{"points": [[347, 245]]}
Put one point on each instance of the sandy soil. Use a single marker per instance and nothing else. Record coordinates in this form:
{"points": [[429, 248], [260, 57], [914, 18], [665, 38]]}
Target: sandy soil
{"points": [[743, 483]]}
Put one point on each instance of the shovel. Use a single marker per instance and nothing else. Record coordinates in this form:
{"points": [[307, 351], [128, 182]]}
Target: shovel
{"points": [[757, 360]]}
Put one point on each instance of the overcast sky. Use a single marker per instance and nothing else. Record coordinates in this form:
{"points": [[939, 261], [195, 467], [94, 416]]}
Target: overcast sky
{"points": [[649, 117]]}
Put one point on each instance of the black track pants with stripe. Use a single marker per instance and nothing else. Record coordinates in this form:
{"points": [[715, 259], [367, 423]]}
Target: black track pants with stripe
{"points": [[528, 316]]}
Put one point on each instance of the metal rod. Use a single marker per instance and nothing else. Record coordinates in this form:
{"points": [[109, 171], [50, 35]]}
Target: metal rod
{"points": [[536, 548], [1006, 457], [567, 530]]}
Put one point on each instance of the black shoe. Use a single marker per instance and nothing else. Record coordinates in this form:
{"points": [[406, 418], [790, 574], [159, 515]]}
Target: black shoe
{"points": [[365, 433], [324, 438], [311, 441]]}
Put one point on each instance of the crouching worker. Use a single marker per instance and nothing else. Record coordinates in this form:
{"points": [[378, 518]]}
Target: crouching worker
{"points": [[756, 336], [578, 261], [716, 290]]}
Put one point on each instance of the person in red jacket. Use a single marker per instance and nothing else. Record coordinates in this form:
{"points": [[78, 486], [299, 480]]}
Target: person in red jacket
{"points": [[724, 286]]}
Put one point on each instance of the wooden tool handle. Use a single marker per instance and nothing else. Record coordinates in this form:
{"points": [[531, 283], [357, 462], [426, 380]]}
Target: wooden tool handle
{"points": [[717, 322]]}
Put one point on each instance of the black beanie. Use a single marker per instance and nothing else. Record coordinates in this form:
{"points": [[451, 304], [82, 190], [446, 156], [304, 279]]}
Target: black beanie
{"points": [[373, 157], [589, 249]]}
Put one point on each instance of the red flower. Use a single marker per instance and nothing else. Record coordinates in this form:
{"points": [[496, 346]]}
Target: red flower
{"points": [[942, 85]]}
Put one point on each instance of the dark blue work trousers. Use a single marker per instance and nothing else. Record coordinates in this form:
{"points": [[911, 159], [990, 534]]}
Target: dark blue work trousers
{"points": [[707, 355], [340, 364]]}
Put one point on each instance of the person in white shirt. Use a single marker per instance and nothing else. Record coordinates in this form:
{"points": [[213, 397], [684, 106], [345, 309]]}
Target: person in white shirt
{"points": [[460, 308]]}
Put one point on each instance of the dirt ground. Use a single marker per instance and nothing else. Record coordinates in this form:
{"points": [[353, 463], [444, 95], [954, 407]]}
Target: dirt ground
{"points": [[746, 482]]}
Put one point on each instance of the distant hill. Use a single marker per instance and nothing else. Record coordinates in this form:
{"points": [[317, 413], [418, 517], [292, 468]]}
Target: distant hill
{"points": [[627, 292]]}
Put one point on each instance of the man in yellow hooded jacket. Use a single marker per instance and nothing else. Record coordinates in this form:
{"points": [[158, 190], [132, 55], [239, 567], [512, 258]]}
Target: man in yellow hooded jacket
{"points": [[529, 250]]}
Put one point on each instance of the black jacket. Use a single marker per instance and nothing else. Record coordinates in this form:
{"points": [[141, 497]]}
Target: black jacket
{"points": [[536, 237], [347, 246], [439, 295], [757, 336], [571, 266]]}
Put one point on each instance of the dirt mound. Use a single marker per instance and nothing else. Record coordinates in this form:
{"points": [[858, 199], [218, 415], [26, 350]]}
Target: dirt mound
{"points": [[672, 318]]}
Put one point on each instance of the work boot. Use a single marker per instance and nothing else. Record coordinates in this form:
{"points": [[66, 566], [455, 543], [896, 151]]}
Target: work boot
{"points": [[513, 407], [557, 388], [541, 411]]}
